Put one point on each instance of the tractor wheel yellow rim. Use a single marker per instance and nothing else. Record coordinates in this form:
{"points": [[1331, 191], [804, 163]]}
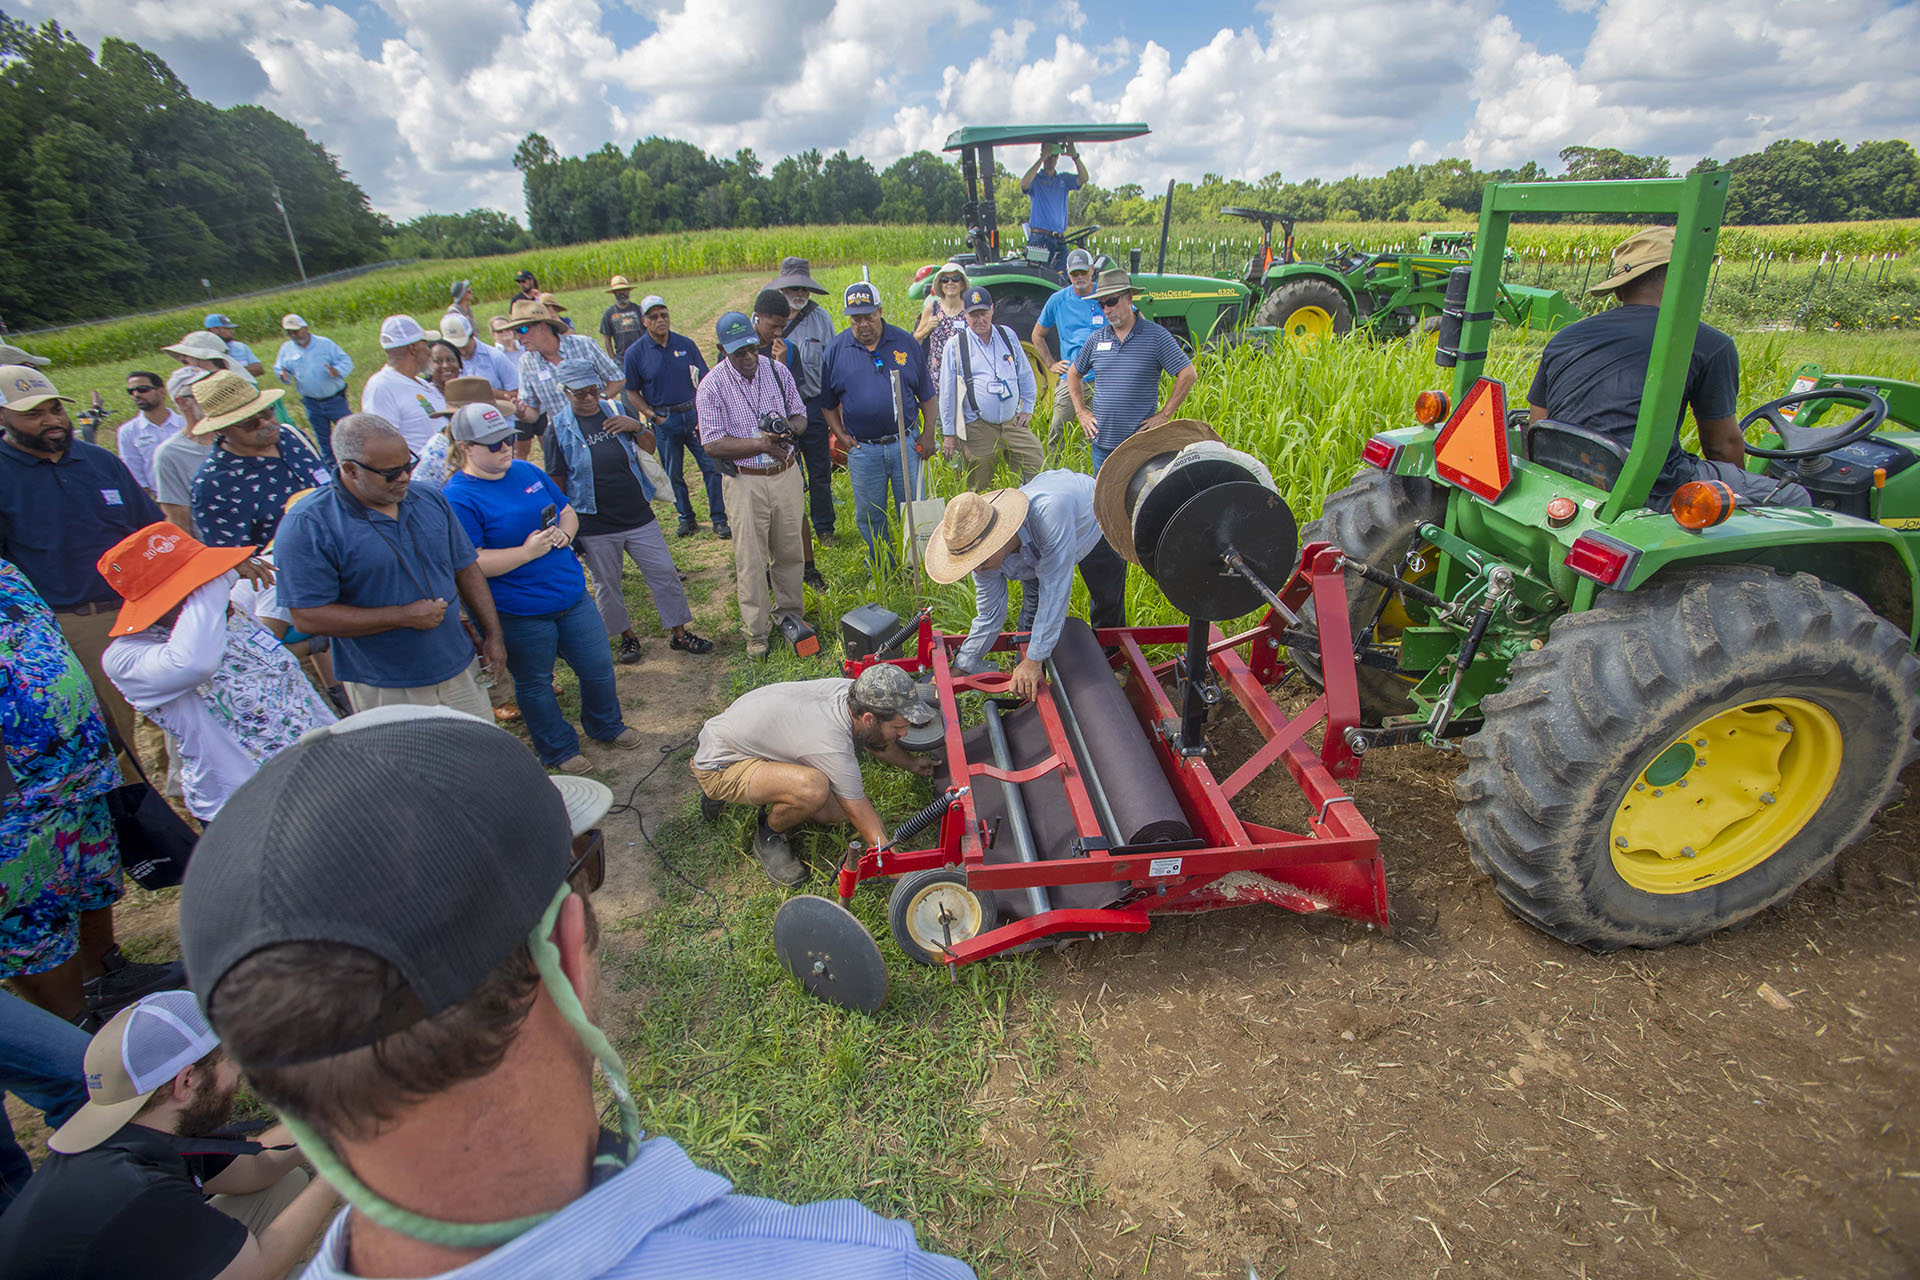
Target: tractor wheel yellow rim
{"points": [[1395, 619], [1725, 796], [1308, 324]]}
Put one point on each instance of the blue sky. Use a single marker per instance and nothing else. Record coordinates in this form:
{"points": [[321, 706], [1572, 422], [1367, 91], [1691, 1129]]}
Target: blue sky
{"points": [[424, 100]]}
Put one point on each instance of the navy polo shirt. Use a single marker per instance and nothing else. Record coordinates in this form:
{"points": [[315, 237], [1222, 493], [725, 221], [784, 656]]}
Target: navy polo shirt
{"points": [[332, 549], [58, 518], [1127, 371], [856, 381], [659, 373], [499, 514]]}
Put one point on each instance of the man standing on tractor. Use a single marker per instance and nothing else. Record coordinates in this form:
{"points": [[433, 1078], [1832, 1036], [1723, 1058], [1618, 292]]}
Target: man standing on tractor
{"points": [[1593, 371], [1067, 320], [1047, 219], [1127, 361]]}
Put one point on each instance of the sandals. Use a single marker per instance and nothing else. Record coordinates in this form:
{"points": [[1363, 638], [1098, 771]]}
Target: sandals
{"points": [[687, 642]]}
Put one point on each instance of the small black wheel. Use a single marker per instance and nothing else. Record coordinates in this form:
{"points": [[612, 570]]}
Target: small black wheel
{"points": [[933, 909]]}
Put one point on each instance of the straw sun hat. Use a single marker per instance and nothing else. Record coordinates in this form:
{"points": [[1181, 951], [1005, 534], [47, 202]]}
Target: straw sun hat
{"points": [[975, 526]]}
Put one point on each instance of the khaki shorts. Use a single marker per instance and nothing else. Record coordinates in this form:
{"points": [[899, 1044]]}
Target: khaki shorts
{"points": [[728, 785]]}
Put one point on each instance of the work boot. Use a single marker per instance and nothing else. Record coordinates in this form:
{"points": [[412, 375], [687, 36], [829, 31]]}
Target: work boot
{"points": [[722, 530], [629, 651], [688, 528], [776, 855], [578, 766], [709, 808], [124, 982], [627, 741]]}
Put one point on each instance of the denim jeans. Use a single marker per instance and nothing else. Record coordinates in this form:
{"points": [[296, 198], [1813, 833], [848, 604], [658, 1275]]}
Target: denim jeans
{"points": [[676, 433], [873, 466], [1100, 456], [816, 456], [576, 634], [41, 1064], [321, 415]]}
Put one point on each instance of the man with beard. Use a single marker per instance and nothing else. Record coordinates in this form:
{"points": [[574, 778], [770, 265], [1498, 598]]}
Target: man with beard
{"points": [[136, 1184], [792, 750]]}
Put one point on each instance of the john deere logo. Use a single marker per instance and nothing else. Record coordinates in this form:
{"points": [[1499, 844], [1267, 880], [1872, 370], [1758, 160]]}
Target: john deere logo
{"points": [[159, 544]]}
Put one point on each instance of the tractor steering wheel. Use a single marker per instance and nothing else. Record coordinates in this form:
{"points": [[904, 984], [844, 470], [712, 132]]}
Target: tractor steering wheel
{"points": [[1079, 238], [1873, 412]]}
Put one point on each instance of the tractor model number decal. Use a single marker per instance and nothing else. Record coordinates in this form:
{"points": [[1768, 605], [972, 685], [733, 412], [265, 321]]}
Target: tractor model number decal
{"points": [[1164, 866], [1183, 295]]}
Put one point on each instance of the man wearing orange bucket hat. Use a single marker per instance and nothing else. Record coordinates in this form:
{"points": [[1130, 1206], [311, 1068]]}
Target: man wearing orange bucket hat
{"points": [[225, 689]]}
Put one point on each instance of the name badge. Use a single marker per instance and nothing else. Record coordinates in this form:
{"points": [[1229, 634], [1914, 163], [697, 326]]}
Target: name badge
{"points": [[1104, 346], [999, 388]]}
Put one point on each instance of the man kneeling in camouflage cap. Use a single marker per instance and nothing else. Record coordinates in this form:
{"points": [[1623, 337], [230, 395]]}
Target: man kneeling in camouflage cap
{"points": [[790, 749]]}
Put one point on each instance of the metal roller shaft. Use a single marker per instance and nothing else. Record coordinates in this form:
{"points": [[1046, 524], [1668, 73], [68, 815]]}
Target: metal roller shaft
{"points": [[1037, 900], [1108, 823]]}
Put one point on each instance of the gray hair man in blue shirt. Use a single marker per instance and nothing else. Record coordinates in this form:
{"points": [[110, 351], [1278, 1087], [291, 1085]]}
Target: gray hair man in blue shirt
{"points": [[1126, 362], [1036, 535], [987, 394]]}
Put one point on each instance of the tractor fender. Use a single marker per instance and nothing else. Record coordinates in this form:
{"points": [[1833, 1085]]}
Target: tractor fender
{"points": [[1873, 562], [1279, 275]]}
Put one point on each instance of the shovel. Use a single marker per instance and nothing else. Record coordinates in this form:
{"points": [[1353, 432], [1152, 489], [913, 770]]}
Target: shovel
{"points": [[920, 515]]}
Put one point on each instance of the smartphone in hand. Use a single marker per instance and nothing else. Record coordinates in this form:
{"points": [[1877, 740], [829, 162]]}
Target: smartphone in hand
{"points": [[549, 516]]}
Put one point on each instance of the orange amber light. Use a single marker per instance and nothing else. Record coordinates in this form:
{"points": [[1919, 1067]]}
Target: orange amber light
{"points": [[1430, 407], [1701, 504]]}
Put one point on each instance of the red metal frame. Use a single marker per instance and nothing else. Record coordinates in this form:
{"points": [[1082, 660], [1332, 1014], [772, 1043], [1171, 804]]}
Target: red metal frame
{"points": [[1334, 866]]}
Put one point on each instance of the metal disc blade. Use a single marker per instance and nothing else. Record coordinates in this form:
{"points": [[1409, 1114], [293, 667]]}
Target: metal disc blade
{"points": [[830, 953], [1244, 517]]}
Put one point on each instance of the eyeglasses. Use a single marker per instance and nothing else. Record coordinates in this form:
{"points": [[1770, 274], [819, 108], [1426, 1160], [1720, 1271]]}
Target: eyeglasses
{"points": [[389, 474], [589, 869], [579, 393], [498, 445], [1117, 300]]}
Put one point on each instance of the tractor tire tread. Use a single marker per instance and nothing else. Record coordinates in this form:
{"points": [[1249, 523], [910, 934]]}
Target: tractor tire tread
{"points": [[1583, 714]]}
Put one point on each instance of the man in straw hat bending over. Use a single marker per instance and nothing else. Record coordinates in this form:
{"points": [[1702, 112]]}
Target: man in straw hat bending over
{"points": [[1593, 371], [1036, 535]]}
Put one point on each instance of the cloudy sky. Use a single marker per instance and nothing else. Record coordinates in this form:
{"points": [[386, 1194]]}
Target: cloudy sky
{"points": [[425, 100]]}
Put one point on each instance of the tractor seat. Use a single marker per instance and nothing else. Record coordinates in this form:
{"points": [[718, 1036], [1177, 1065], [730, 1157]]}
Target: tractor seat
{"points": [[1575, 452]]}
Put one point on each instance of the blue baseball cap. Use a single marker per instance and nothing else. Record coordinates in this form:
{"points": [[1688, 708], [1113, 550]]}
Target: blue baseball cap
{"points": [[861, 299], [215, 320], [578, 371], [735, 331], [978, 299]]}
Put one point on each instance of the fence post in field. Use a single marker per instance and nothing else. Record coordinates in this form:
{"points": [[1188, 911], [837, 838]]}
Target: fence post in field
{"points": [[1713, 280], [1813, 286]]}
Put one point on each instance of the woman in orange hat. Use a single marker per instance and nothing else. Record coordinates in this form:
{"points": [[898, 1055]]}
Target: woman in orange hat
{"points": [[220, 683]]}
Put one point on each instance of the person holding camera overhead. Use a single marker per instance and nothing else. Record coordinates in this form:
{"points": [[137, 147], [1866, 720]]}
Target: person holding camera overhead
{"points": [[523, 528], [749, 412], [1047, 192]]}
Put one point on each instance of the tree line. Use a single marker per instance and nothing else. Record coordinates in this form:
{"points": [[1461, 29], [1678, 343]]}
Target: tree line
{"points": [[120, 190]]}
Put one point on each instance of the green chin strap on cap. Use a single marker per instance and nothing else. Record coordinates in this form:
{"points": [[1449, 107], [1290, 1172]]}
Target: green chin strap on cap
{"points": [[486, 1235]]}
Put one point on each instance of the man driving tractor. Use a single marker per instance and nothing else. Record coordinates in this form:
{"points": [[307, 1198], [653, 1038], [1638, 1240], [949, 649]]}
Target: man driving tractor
{"points": [[1593, 371]]}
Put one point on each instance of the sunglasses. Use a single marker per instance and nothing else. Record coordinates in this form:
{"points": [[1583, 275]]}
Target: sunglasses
{"points": [[1116, 300], [953, 279], [138, 391], [581, 393], [389, 474], [589, 869], [523, 329], [498, 445]]}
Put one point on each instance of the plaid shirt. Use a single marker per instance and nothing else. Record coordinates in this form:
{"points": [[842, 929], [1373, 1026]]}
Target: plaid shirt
{"points": [[539, 380], [728, 405]]}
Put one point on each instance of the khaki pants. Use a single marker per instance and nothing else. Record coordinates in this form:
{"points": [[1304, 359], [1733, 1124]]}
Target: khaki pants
{"points": [[984, 443], [87, 636], [765, 514], [1063, 414], [258, 1209], [462, 693]]}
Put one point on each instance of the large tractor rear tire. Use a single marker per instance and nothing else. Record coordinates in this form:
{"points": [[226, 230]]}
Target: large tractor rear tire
{"points": [[1307, 309], [1677, 759], [1374, 520]]}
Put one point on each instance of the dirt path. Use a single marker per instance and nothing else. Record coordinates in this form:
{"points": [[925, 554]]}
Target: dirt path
{"points": [[1469, 1097]]}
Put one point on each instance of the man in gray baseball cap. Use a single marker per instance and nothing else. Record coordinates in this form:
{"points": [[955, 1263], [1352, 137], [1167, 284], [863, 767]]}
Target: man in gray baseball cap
{"points": [[390, 928], [791, 750]]}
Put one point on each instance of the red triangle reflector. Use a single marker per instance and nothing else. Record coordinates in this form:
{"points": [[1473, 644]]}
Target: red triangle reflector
{"points": [[1471, 451]]}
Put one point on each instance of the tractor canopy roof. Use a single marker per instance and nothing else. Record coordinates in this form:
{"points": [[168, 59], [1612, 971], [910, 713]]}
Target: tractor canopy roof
{"points": [[1008, 135]]}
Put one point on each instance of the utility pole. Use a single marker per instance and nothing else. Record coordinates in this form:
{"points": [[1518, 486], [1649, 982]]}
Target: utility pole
{"points": [[288, 223]]}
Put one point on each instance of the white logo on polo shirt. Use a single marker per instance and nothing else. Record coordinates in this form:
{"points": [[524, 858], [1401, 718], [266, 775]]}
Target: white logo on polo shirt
{"points": [[112, 498]]}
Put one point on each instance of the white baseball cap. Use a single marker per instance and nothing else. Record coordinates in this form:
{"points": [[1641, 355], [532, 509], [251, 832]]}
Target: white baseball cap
{"points": [[400, 331], [651, 301], [292, 320], [455, 328], [138, 1052], [182, 379]]}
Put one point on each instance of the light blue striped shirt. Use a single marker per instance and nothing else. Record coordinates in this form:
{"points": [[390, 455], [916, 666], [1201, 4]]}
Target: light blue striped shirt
{"points": [[1057, 534], [308, 365], [665, 1218], [1003, 383]]}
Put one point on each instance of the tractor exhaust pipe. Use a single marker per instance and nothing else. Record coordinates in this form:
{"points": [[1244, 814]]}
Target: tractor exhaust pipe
{"points": [[1453, 316], [1166, 223]]}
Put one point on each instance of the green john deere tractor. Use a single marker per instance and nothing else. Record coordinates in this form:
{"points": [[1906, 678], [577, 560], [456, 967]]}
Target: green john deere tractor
{"points": [[1194, 308], [1386, 294], [1671, 719]]}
